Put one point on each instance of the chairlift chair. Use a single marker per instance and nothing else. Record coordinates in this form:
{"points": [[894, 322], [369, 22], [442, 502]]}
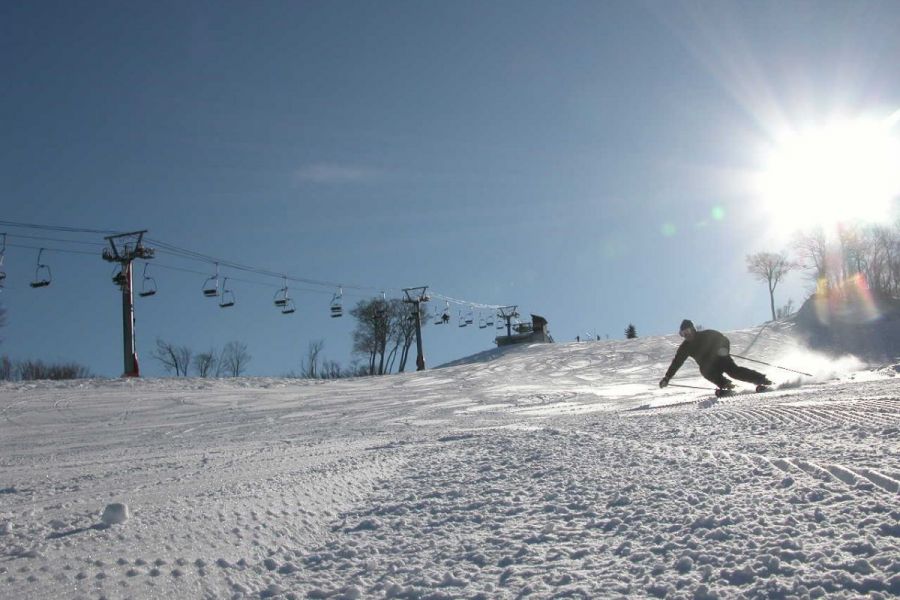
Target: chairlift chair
{"points": [[227, 298], [482, 324], [462, 321], [211, 285], [281, 297], [288, 307], [337, 309], [470, 318], [148, 285], [490, 320], [42, 274]]}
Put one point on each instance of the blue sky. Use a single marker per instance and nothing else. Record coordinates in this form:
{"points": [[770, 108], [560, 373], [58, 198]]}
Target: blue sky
{"points": [[586, 161]]}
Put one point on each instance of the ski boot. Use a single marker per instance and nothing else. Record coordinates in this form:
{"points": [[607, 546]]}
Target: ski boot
{"points": [[765, 386], [726, 389]]}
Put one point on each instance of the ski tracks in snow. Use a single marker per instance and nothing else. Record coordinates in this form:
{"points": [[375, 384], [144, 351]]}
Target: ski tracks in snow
{"points": [[688, 504]]}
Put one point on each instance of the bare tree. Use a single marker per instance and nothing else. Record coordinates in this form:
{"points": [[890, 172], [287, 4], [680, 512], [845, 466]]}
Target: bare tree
{"points": [[234, 359], [370, 336], [331, 369], [205, 362], [812, 247], [771, 268], [6, 368], [309, 366], [786, 310], [173, 358]]}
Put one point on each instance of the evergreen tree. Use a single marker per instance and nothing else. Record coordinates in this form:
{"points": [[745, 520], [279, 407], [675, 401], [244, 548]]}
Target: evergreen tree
{"points": [[630, 332]]}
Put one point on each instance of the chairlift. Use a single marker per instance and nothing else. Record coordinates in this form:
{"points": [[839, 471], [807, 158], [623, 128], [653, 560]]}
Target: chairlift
{"points": [[281, 298], [227, 298], [445, 316], [148, 285], [469, 318], [482, 323], [288, 307], [462, 322], [489, 322], [337, 309], [42, 275], [211, 285], [500, 324]]}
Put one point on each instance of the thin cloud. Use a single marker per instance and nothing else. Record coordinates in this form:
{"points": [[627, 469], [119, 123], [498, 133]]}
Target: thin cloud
{"points": [[331, 173]]}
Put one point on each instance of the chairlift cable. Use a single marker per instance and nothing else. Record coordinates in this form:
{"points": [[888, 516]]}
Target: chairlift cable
{"points": [[58, 228], [46, 249], [51, 239]]}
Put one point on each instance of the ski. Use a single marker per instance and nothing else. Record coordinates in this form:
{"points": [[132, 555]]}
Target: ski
{"points": [[725, 393]]}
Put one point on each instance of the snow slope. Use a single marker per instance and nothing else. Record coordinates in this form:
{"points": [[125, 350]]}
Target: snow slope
{"points": [[551, 471]]}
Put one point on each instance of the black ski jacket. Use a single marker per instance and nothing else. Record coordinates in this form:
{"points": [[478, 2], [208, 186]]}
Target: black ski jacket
{"points": [[707, 347]]}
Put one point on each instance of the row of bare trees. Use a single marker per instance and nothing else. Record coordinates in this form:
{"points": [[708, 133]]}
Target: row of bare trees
{"points": [[385, 331], [32, 370], [872, 251], [868, 251], [232, 361]]}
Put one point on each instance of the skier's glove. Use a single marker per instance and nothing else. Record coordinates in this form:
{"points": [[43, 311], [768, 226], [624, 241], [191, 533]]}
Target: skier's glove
{"points": [[663, 382]]}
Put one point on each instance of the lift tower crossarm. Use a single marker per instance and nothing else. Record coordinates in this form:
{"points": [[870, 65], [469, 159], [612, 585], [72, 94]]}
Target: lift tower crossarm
{"points": [[416, 296], [124, 248]]}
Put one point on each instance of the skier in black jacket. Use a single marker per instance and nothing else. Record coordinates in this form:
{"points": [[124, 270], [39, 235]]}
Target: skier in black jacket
{"points": [[712, 351]]}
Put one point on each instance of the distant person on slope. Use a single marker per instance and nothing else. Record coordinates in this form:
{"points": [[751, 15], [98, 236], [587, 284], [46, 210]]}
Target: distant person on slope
{"points": [[712, 351]]}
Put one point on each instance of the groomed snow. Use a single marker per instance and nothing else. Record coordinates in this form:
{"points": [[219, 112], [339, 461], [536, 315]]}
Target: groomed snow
{"points": [[551, 471]]}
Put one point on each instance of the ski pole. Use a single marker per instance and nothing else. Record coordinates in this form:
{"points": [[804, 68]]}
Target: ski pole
{"points": [[693, 387], [771, 365]]}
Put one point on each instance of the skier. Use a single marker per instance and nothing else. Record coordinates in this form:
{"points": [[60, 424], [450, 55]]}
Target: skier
{"points": [[711, 350]]}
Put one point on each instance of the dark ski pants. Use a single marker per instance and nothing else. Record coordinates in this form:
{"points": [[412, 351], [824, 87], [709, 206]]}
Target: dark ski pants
{"points": [[727, 366]]}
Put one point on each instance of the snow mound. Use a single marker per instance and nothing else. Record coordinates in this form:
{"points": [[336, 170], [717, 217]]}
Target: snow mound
{"points": [[115, 514]]}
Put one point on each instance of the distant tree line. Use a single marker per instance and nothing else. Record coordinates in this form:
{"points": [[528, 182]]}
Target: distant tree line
{"points": [[867, 251], [872, 251], [231, 361], [315, 366], [32, 370]]}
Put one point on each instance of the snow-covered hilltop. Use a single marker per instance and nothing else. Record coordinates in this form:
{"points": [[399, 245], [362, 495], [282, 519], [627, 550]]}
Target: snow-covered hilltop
{"points": [[520, 472]]}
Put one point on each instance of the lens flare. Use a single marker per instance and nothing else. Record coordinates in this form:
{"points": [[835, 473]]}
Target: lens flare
{"points": [[849, 303]]}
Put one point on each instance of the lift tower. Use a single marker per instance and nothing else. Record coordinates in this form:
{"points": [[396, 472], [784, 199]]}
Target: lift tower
{"points": [[123, 249], [508, 313], [416, 296]]}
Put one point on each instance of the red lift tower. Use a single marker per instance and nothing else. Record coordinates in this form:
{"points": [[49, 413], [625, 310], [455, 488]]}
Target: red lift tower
{"points": [[123, 249]]}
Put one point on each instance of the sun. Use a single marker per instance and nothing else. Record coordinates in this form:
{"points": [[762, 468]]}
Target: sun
{"points": [[841, 172]]}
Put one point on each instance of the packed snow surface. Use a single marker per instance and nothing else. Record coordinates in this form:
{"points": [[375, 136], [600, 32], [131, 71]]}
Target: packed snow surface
{"points": [[545, 471]]}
